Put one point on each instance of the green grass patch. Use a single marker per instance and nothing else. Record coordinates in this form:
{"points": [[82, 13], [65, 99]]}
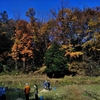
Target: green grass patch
{"points": [[67, 88]]}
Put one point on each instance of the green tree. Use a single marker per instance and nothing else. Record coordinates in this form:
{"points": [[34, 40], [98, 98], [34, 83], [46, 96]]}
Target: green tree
{"points": [[4, 16], [56, 63], [6, 33]]}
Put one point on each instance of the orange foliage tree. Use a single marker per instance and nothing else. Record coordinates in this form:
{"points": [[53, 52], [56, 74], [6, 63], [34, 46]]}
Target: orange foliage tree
{"points": [[39, 39], [22, 48]]}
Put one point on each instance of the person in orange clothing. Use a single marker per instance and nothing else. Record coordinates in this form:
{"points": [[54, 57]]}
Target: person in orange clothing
{"points": [[27, 91]]}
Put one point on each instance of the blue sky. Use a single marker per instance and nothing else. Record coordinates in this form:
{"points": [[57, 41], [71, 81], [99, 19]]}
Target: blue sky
{"points": [[41, 6]]}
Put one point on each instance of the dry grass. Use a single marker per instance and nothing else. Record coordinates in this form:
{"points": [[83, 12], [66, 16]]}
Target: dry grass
{"points": [[72, 88], [20, 80]]}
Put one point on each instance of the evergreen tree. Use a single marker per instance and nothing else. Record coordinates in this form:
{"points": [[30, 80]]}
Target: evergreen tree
{"points": [[56, 63]]}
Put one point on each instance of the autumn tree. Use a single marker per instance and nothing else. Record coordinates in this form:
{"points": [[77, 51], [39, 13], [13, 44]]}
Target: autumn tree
{"points": [[38, 37], [91, 45], [23, 43], [77, 29]]}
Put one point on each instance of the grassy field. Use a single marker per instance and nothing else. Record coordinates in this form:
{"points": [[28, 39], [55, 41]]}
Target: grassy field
{"points": [[67, 88]]}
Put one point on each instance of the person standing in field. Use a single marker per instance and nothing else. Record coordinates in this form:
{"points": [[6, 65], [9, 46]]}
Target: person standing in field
{"points": [[27, 91], [48, 85], [36, 92], [45, 84], [3, 93]]}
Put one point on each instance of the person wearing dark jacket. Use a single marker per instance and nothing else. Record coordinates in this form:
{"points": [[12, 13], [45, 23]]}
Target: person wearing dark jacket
{"points": [[36, 92], [48, 84], [3, 93]]}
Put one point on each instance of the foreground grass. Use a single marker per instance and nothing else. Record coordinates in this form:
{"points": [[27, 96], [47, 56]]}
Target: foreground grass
{"points": [[67, 88], [73, 92]]}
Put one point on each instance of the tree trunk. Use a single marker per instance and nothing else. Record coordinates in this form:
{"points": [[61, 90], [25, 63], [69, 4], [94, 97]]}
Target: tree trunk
{"points": [[16, 67]]}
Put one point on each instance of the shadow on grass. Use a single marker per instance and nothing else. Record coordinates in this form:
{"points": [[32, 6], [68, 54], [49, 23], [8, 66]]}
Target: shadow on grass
{"points": [[14, 93]]}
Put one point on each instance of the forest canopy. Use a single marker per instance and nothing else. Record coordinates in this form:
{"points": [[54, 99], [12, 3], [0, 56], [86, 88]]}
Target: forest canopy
{"points": [[26, 46]]}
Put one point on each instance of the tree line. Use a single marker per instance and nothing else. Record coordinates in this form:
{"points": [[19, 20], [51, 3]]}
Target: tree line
{"points": [[68, 43]]}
